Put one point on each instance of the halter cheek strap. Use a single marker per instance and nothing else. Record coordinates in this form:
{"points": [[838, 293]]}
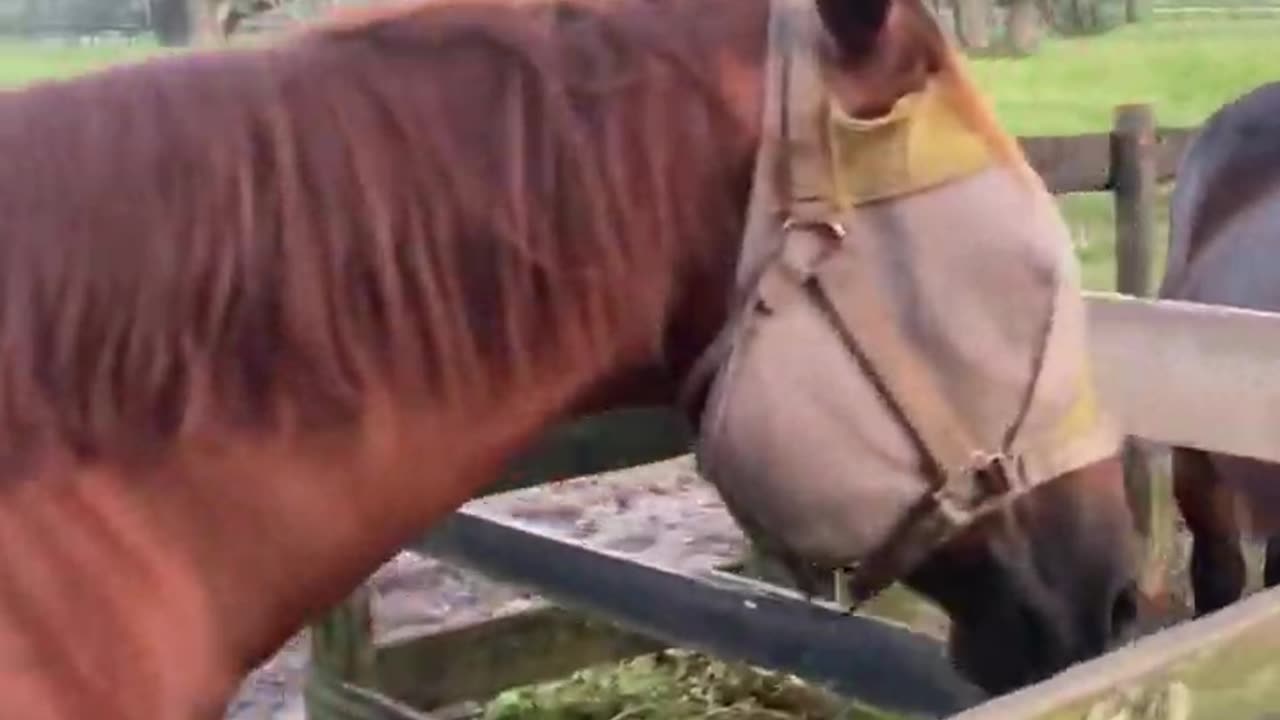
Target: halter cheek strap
{"points": [[793, 25]]}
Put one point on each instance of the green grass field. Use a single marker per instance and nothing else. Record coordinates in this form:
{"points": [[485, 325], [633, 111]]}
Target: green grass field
{"points": [[22, 63], [1186, 68]]}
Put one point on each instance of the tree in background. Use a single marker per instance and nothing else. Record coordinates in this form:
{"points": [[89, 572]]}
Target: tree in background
{"points": [[973, 20], [182, 22], [171, 20], [95, 13], [974, 23], [42, 17], [1024, 26], [1017, 27], [1087, 17]]}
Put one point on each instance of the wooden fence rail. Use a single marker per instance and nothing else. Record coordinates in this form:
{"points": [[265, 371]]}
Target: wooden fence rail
{"points": [[861, 657], [1083, 163]]}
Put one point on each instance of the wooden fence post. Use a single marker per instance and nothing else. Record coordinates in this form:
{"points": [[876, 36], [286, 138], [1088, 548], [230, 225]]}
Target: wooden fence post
{"points": [[1133, 180], [343, 662]]}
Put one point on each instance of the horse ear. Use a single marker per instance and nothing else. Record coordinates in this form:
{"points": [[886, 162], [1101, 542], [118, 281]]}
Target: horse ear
{"points": [[854, 24]]}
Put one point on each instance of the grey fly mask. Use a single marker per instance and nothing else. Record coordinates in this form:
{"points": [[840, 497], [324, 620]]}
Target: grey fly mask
{"points": [[908, 347]]}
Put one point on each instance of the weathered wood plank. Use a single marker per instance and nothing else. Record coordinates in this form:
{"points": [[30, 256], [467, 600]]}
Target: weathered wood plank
{"points": [[1133, 177], [1171, 143], [1172, 372], [477, 661], [342, 641], [681, 601], [1133, 180], [1079, 163], [1083, 163], [332, 697], [1226, 665]]}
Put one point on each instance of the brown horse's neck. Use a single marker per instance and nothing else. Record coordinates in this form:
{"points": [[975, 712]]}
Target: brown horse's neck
{"points": [[146, 591]]}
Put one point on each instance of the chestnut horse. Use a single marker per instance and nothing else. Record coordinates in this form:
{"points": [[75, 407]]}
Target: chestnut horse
{"points": [[1224, 234], [270, 313]]}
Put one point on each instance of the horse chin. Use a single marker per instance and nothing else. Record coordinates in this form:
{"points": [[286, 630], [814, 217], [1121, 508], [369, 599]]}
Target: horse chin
{"points": [[1010, 644], [984, 656], [1007, 635]]}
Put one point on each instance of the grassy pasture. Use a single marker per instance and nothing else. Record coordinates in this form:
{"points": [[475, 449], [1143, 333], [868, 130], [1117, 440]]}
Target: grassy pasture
{"points": [[25, 62], [1187, 68]]}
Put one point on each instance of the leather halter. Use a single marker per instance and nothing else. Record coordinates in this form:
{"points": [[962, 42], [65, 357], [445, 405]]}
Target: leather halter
{"points": [[793, 179]]}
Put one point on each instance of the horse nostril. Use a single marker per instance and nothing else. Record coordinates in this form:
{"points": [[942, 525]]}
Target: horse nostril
{"points": [[1124, 612]]}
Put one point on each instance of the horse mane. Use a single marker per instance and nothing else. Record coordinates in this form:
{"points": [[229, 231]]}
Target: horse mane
{"points": [[431, 206], [429, 203]]}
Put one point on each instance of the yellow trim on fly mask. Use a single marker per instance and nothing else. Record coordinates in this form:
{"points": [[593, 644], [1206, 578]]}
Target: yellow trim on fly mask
{"points": [[921, 142]]}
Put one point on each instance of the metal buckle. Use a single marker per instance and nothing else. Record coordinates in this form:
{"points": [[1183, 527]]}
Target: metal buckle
{"points": [[956, 513], [1001, 472], [1002, 475], [840, 589], [833, 228], [993, 477], [791, 268], [848, 601]]}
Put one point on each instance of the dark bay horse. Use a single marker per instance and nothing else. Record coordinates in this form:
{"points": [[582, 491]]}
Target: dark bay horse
{"points": [[1223, 243], [267, 314]]}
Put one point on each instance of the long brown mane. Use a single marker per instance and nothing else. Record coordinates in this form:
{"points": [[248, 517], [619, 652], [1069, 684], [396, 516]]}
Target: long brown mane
{"points": [[422, 206]]}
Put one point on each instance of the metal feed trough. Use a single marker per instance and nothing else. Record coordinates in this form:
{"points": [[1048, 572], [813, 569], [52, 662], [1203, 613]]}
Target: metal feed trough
{"points": [[649, 554]]}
